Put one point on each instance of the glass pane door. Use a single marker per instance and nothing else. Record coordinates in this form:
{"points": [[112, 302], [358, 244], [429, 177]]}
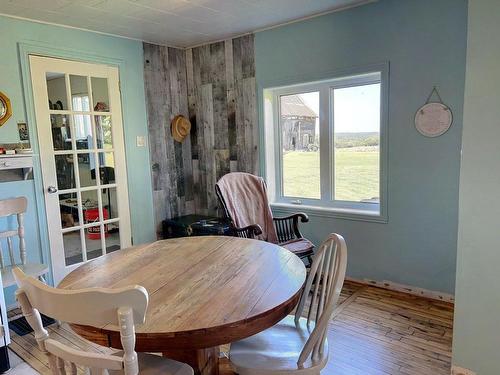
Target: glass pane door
{"points": [[84, 163], [82, 154]]}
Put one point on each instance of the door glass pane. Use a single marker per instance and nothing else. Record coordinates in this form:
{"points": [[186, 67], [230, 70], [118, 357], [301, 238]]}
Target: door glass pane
{"points": [[103, 132], [89, 202], [56, 90], [68, 205], [100, 94], [72, 247], [113, 237], [107, 166], [83, 132], [86, 169], [61, 134], [65, 172], [79, 93], [93, 242], [357, 143], [109, 203], [299, 120]]}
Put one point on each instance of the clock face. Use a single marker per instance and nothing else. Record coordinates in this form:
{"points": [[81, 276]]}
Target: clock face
{"points": [[433, 119], [3, 108]]}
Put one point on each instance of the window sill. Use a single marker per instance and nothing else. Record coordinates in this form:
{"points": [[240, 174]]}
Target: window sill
{"points": [[336, 213]]}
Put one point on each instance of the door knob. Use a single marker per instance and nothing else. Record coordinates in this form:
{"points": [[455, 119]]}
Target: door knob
{"points": [[52, 189]]}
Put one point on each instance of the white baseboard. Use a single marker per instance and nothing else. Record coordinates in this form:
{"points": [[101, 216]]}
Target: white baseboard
{"points": [[390, 285], [455, 370]]}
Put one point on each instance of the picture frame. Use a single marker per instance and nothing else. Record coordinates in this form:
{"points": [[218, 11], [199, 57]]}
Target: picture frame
{"points": [[22, 128]]}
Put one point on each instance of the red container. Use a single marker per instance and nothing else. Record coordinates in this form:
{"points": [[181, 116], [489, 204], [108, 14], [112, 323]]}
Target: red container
{"points": [[92, 216]]}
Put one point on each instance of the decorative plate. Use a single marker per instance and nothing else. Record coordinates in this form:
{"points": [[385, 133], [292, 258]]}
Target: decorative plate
{"points": [[433, 119]]}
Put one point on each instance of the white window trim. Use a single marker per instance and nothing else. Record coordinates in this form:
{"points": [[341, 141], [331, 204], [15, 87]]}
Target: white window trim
{"points": [[364, 211]]}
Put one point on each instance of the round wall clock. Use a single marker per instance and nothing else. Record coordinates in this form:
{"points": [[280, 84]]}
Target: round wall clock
{"points": [[433, 119], [5, 109]]}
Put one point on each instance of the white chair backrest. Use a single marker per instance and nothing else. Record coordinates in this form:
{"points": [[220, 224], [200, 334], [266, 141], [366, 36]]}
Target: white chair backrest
{"points": [[8, 207], [96, 307], [325, 281]]}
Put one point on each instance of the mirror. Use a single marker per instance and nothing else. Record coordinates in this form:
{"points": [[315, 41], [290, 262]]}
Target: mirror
{"points": [[5, 109]]}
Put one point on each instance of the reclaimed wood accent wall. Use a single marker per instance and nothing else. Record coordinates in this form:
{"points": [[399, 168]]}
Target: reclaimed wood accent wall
{"points": [[166, 96], [213, 85]]}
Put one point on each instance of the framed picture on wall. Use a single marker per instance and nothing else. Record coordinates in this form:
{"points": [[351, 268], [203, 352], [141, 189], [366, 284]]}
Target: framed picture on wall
{"points": [[22, 128]]}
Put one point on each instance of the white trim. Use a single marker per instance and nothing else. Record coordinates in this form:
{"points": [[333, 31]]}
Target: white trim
{"points": [[413, 290], [326, 205], [330, 212], [4, 321]]}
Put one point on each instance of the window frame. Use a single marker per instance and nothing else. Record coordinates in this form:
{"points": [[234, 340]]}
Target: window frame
{"points": [[326, 205]]}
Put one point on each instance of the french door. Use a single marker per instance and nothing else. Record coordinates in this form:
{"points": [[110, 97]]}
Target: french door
{"points": [[80, 135]]}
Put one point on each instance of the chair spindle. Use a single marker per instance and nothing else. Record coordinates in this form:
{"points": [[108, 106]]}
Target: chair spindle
{"points": [[11, 251]]}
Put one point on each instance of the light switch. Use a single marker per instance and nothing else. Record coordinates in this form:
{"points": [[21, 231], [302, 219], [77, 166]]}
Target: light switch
{"points": [[140, 141]]}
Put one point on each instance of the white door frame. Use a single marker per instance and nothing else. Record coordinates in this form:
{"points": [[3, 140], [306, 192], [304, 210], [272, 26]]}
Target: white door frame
{"points": [[39, 66]]}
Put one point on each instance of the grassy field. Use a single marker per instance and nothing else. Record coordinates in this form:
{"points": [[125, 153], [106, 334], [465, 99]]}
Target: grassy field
{"points": [[356, 174]]}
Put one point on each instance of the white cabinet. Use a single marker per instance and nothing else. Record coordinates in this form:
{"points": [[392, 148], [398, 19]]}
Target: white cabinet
{"points": [[18, 161]]}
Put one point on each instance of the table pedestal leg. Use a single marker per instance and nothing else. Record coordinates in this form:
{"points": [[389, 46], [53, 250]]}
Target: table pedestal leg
{"points": [[203, 361]]}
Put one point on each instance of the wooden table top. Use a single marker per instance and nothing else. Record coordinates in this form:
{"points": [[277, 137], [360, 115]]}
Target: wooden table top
{"points": [[203, 291]]}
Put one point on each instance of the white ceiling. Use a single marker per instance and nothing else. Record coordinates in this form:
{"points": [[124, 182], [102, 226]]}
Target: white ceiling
{"points": [[180, 23]]}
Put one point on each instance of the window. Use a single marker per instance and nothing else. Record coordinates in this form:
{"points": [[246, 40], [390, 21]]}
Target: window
{"points": [[83, 126], [325, 144]]}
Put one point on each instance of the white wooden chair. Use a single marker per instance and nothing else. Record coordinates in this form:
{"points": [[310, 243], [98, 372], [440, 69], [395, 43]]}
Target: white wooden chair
{"points": [[96, 307], [9, 207], [298, 345]]}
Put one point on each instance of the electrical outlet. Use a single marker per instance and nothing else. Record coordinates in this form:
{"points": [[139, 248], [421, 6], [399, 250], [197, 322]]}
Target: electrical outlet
{"points": [[455, 370], [140, 141]]}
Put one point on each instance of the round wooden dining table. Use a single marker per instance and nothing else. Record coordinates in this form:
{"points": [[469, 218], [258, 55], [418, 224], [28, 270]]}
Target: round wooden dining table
{"points": [[203, 292]]}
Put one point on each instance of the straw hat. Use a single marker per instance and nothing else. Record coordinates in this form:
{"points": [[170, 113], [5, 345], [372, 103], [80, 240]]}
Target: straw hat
{"points": [[180, 128]]}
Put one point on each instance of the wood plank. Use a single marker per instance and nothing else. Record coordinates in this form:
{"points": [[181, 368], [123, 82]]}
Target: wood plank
{"points": [[186, 145], [155, 83], [207, 162], [201, 186], [191, 93], [355, 347], [249, 125]]}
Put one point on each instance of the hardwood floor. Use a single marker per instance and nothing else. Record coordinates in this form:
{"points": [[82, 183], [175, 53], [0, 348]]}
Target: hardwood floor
{"points": [[373, 332]]}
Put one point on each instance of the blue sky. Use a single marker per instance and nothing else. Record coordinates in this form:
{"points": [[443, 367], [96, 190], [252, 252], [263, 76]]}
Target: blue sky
{"points": [[356, 109]]}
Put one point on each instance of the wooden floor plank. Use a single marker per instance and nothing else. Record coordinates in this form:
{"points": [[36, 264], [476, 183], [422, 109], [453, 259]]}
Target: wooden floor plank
{"points": [[373, 332]]}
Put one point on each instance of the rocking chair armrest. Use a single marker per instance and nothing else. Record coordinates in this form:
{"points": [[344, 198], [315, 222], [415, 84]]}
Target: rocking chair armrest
{"points": [[287, 228], [250, 231], [303, 217]]}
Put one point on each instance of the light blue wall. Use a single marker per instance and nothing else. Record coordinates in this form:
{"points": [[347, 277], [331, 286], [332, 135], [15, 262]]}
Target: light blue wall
{"points": [[476, 332], [127, 54], [425, 42]]}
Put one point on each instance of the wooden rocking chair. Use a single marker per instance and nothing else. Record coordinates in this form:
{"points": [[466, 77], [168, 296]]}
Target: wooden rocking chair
{"points": [[243, 198]]}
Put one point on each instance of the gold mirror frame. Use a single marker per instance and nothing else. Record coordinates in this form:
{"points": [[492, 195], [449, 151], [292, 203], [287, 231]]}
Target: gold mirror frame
{"points": [[6, 102]]}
